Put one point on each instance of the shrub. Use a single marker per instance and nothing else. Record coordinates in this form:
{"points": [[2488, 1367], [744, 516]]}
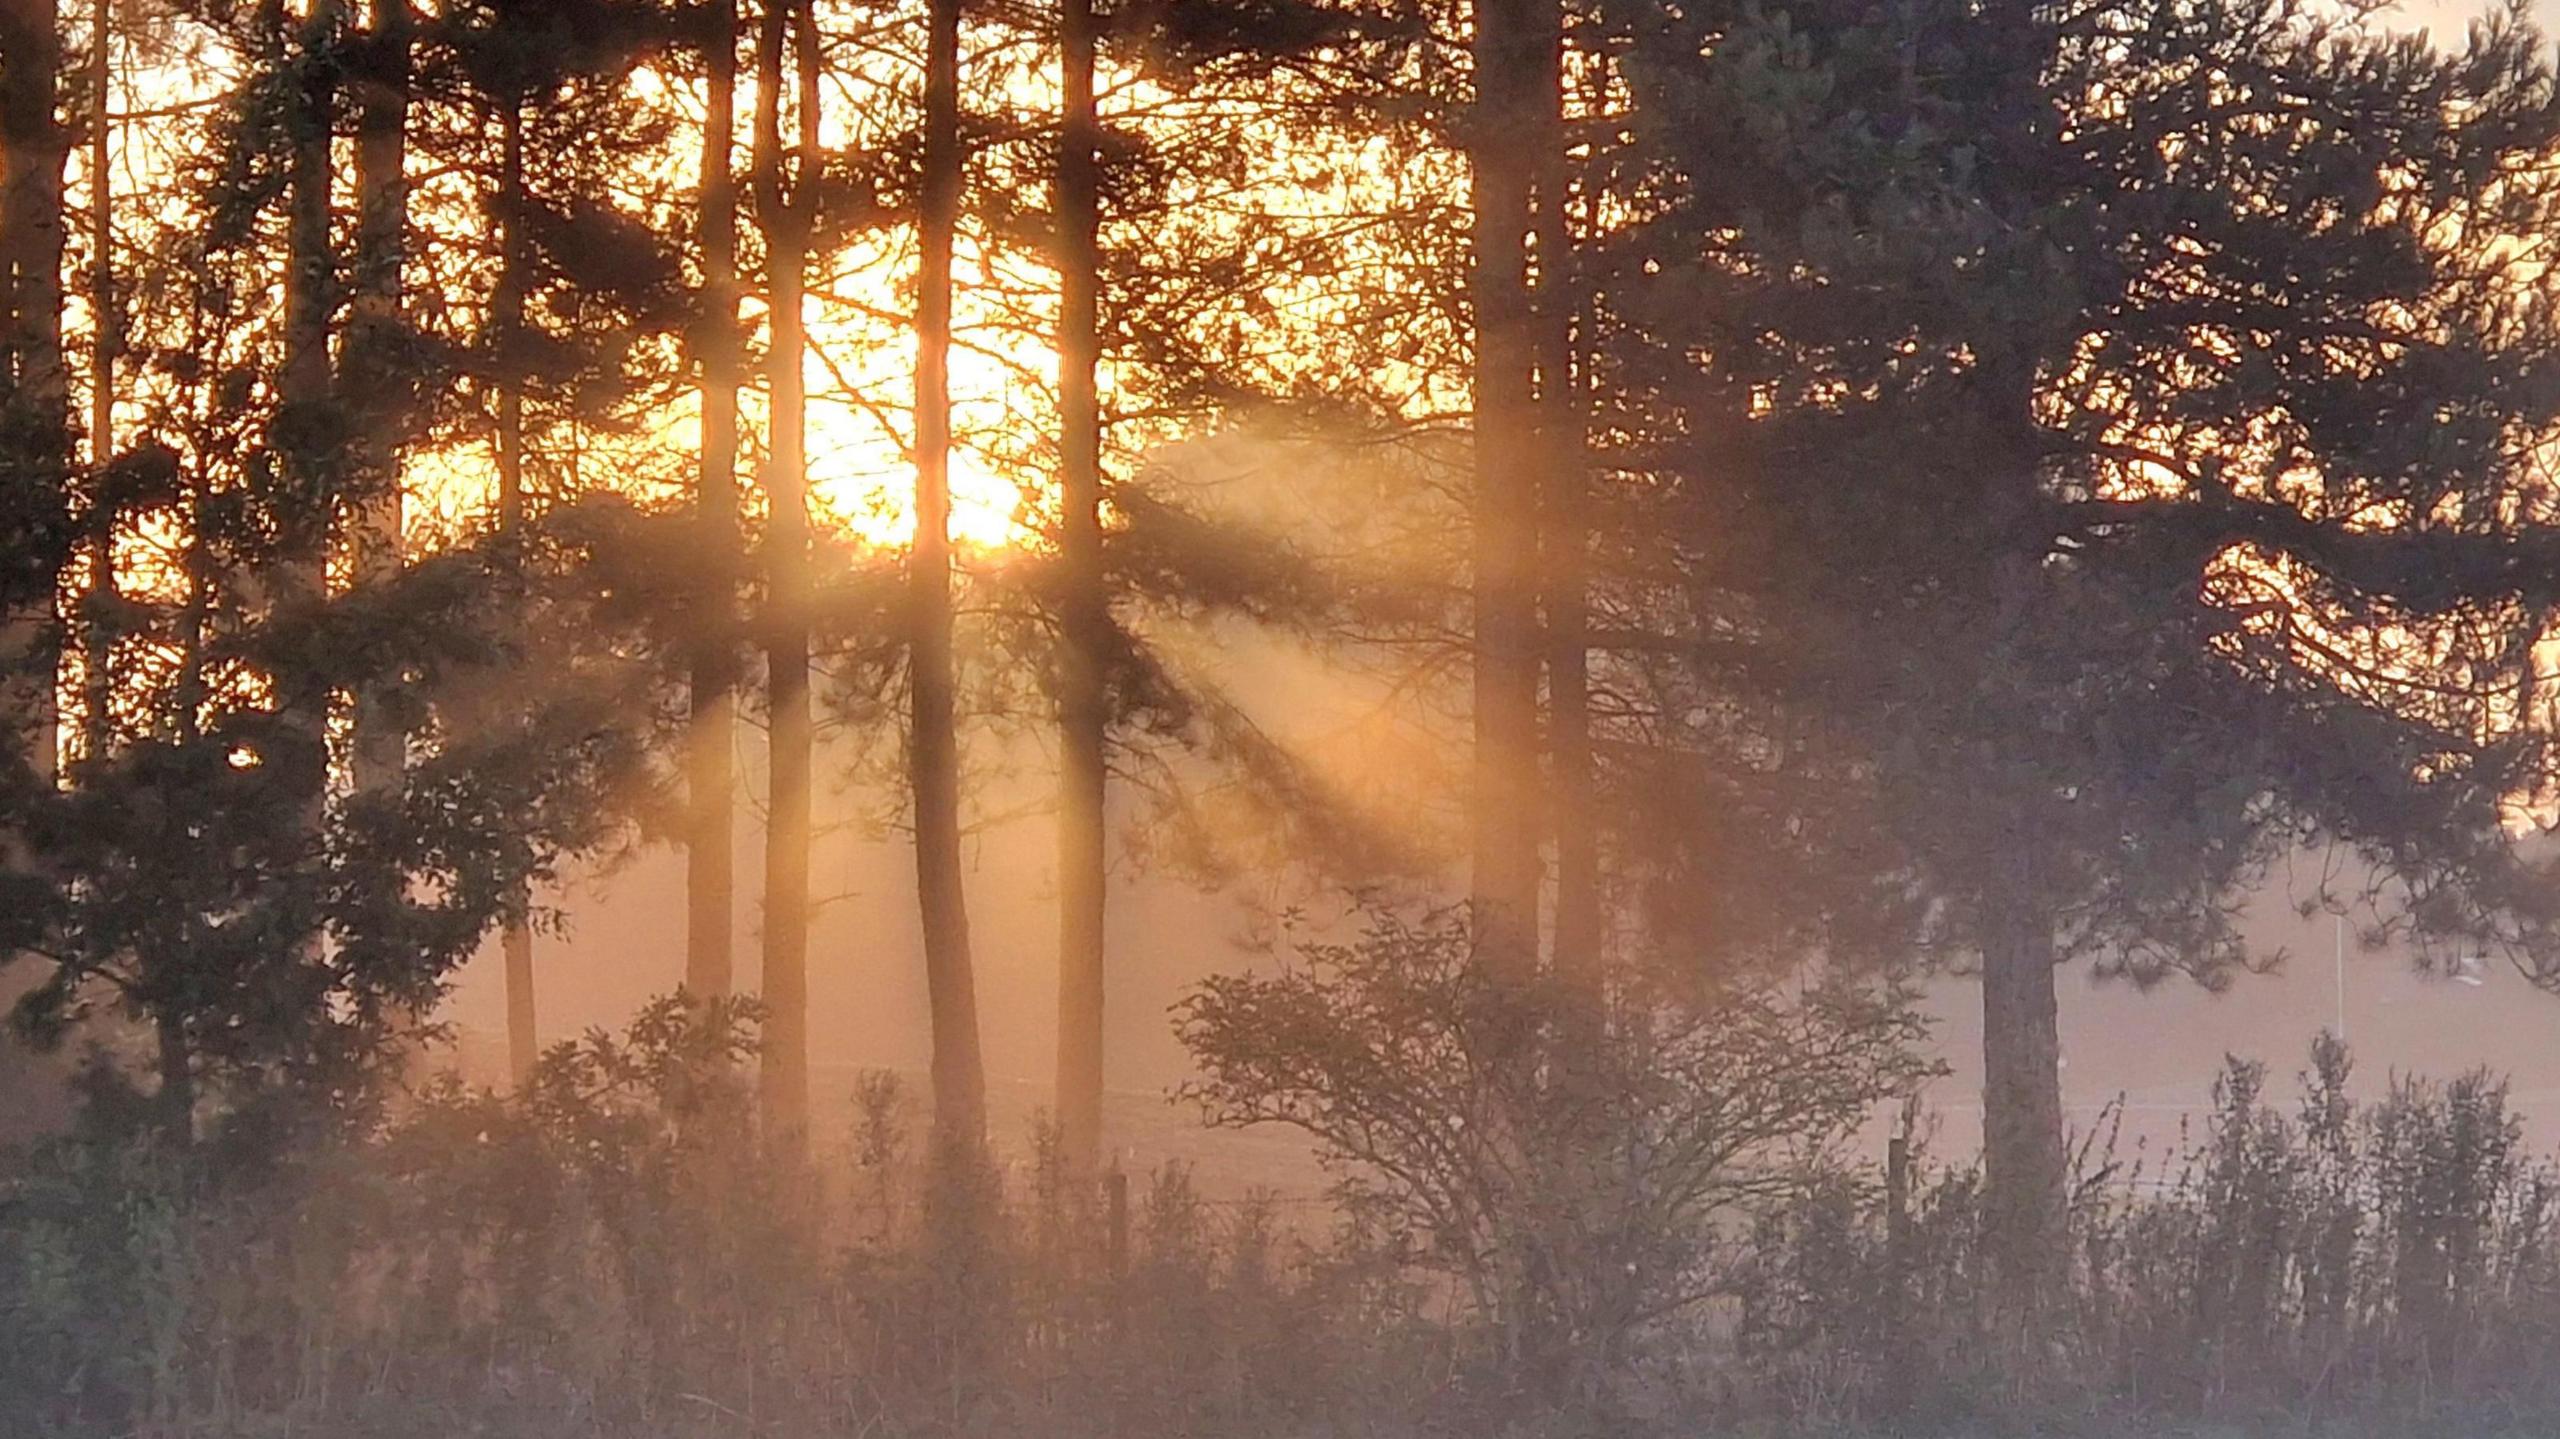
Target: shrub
{"points": [[1570, 1195]]}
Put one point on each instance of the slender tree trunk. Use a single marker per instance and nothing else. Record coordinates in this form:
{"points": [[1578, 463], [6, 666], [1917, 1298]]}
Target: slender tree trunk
{"points": [[35, 430], [304, 383], [523, 1044], [97, 636], [1501, 129], [305, 428], [933, 752], [2024, 1168], [709, 779], [784, 219], [1565, 534], [1084, 621], [34, 148], [374, 339], [33, 151], [102, 235], [177, 1095]]}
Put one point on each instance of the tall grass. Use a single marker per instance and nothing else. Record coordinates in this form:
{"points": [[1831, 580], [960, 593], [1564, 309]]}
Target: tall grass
{"points": [[613, 1253], [2393, 1262]]}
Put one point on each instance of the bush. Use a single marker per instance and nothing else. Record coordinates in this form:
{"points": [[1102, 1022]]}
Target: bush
{"points": [[1570, 1186]]}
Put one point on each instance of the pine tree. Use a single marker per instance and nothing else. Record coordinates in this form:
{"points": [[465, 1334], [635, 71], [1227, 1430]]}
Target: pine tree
{"points": [[98, 580], [1564, 520], [709, 777], [199, 880], [1084, 622], [785, 209], [377, 338], [2045, 559], [1510, 44], [35, 429], [933, 749]]}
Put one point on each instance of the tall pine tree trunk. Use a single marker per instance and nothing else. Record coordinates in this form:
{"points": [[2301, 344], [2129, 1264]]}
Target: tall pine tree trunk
{"points": [[304, 383], [2024, 1166], [33, 151], [786, 871], [1084, 620], [306, 428], [177, 1095], [1565, 531], [1507, 872], [933, 751], [96, 635], [524, 1046], [373, 347], [34, 148], [709, 779]]}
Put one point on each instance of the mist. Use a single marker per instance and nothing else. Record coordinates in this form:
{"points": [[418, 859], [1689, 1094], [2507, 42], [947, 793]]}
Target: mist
{"points": [[1255, 719]]}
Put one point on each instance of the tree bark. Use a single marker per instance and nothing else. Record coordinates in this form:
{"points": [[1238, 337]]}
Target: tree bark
{"points": [[780, 209], [34, 149], [374, 341], [305, 381], [1084, 620], [710, 877], [933, 754], [1507, 872], [305, 430], [507, 319], [33, 152], [102, 236], [1565, 533], [96, 637], [2024, 1168]]}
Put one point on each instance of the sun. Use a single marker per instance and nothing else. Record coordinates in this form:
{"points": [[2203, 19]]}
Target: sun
{"points": [[859, 375], [862, 482]]}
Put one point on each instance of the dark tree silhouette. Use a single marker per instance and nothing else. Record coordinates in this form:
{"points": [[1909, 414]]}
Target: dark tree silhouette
{"points": [[710, 783], [2071, 431], [933, 747], [785, 205]]}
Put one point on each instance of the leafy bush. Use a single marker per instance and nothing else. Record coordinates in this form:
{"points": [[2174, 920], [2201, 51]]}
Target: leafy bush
{"points": [[1570, 1188]]}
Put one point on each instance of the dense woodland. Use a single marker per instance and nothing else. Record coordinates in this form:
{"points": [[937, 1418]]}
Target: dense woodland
{"points": [[1857, 492]]}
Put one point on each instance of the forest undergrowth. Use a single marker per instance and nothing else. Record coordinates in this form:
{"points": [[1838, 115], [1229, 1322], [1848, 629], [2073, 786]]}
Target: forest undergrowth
{"points": [[612, 1252]]}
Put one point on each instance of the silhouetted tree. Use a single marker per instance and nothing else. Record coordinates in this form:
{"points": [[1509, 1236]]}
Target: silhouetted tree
{"points": [[710, 900], [933, 751], [574, 283], [377, 353], [2061, 409], [786, 206], [200, 879], [1084, 621], [1502, 131]]}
